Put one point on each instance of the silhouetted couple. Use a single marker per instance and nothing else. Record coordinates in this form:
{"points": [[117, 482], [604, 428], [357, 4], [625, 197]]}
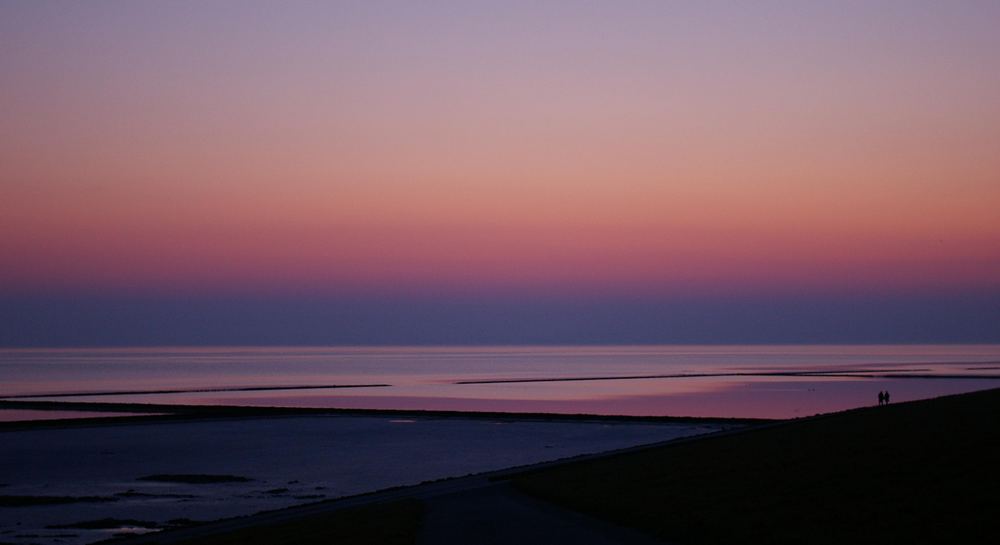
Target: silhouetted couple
{"points": [[883, 397]]}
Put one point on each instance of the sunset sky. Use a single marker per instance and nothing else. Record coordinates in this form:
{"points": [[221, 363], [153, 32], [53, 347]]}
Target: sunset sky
{"points": [[423, 172]]}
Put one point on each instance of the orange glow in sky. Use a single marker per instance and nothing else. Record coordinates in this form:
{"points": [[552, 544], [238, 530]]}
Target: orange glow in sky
{"points": [[621, 148]]}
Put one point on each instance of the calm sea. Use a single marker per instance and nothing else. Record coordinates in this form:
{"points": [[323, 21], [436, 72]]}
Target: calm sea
{"points": [[723, 381]]}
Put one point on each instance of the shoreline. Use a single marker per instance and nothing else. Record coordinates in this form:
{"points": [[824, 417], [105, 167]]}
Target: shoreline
{"points": [[162, 413]]}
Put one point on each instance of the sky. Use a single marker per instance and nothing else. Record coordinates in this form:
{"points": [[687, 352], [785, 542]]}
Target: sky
{"points": [[498, 172]]}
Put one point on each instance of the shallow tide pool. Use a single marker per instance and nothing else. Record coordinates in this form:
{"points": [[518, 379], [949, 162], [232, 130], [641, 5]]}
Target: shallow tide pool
{"points": [[264, 463]]}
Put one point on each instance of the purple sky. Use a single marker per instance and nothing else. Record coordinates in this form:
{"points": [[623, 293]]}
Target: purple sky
{"points": [[499, 172]]}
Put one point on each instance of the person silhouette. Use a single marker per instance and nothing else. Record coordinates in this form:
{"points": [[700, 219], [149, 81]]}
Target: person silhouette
{"points": [[887, 397], [881, 398]]}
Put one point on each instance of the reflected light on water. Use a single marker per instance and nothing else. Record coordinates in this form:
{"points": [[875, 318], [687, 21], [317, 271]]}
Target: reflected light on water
{"points": [[717, 381]]}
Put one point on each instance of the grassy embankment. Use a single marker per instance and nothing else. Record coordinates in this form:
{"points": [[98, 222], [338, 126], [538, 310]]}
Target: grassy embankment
{"points": [[922, 472]]}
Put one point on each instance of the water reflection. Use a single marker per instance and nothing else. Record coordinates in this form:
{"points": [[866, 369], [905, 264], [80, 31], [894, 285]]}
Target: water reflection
{"points": [[730, 381]]}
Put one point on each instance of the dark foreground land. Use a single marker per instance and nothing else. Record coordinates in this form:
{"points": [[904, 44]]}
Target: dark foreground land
{"points": [[389, 524], [921, 472]]}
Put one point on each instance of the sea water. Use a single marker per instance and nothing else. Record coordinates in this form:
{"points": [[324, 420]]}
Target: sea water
{"points": [[714, 381]]}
